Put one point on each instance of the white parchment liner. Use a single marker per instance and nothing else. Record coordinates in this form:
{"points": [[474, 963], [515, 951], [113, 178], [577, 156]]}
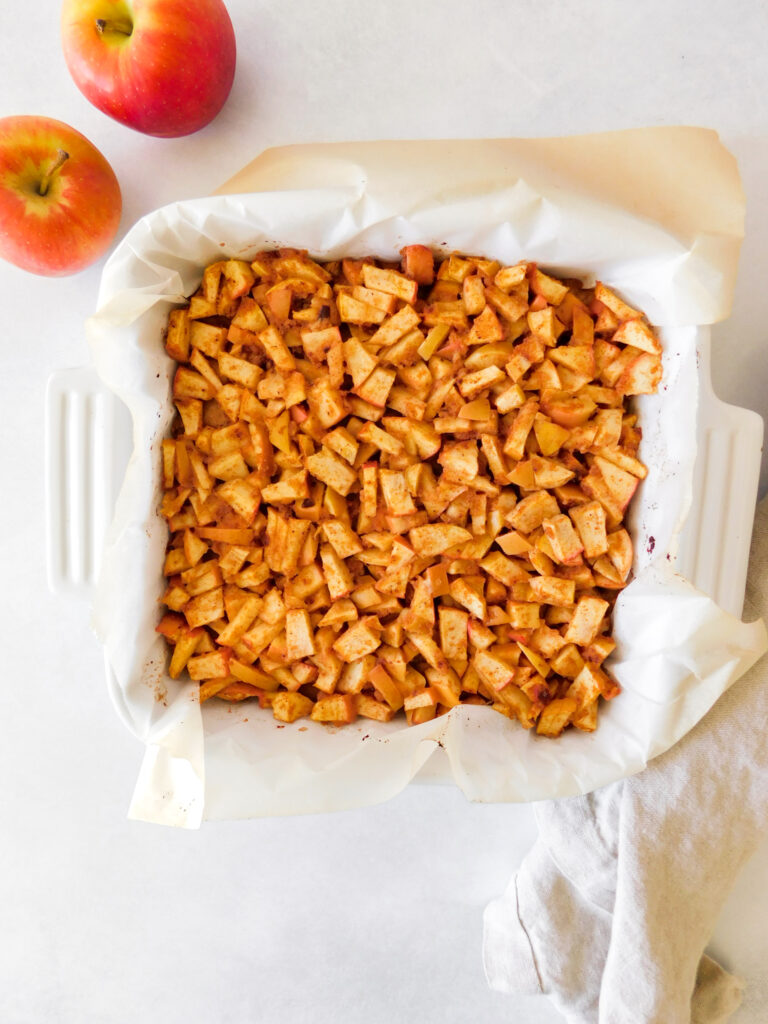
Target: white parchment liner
{"points": [[604, 207]]}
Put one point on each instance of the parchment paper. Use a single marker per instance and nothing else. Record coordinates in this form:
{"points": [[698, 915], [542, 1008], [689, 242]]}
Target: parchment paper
{"points": [[657, 214]]}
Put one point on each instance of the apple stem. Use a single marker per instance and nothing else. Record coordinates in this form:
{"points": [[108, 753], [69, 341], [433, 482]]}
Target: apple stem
{"points": [[61, 157], [124, 28]]}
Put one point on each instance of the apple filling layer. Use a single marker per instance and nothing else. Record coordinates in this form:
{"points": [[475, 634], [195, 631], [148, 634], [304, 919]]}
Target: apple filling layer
{"points": [[401, 487]]}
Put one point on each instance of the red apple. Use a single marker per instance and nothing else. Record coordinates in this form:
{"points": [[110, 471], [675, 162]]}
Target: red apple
{"points": [[163, 67], [59, 198]]}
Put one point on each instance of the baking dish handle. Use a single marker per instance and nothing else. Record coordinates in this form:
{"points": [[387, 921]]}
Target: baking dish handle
{"points": [[714, 544], [87, 446]]}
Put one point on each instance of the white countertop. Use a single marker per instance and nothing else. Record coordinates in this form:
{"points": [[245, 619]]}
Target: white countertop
{"points": [[371, 915]]}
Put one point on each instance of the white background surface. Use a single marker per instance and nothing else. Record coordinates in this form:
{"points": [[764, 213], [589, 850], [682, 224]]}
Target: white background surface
{"points": [[372, 915]]}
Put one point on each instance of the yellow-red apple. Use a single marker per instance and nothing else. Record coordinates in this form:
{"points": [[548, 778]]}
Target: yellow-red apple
{"points": [[60, 201], [163, 67]]}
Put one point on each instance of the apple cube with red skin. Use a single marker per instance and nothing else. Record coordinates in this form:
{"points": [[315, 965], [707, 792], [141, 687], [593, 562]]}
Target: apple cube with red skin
{"points": [[418, 263]]}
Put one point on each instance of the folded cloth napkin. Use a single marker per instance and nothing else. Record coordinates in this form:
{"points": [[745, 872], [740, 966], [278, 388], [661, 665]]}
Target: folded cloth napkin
{"points": [[611, 910]]}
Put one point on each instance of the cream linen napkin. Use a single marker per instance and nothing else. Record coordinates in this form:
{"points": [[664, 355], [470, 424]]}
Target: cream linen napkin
{"points": [[611, 910]]}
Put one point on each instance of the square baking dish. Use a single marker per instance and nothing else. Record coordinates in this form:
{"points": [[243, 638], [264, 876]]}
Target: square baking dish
{"points": [[678, 650]]}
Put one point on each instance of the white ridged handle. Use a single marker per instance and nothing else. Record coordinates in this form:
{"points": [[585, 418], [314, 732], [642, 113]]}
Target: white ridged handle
{"points": [[714, 544], [88, 434]]}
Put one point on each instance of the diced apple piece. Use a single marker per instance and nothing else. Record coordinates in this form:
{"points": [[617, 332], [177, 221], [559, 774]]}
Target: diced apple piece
{"points": [[473, 294], [510, 277], [616, 305], [376, 386], [422, 699], [585, 718], [369, 707], [479, 409], [276, 349], [556, 716], [453, 632], [566, 545], [391, 282], [621, 484], [567, 410], [337, 574], [514, 446], [468, 598], [418, 263], [512, 306], [586, 621], [381, 438], [177, 335], [326, 402], [429, 650], [503, 569], [620, 552], [209, 666], [396, 326], [549, 473], [550, 436], [207, 338], [638, 334], [531, 512], [495, 672], [459, 460], [437, 538], [619, 457], [568, 661], [641, 376], [189, 384], [353, 311], [362, 638], [547, 287], [588, 685], [288, 707], [544, 324], [187, 641], [299, 642], [205, 608], [331, 470], [552, 590], [339, 708], [395, 493], [579, 359], [486, 328]]}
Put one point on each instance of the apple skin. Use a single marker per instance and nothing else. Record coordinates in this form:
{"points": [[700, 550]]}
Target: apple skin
{"points": [[169, 77], [73, 224]]}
